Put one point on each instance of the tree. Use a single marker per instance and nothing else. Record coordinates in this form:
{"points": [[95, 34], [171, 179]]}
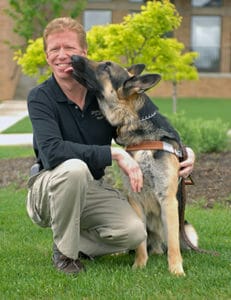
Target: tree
{"points": [[140, 38], [143, 38], [31, 16], [33, 60]]}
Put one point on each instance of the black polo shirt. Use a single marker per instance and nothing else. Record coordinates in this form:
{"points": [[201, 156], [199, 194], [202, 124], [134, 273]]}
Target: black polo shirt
{"points": [[61, 130]]}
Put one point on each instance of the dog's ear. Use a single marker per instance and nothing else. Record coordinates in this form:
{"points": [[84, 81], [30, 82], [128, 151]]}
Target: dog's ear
{"points": [[140, 84], [136, 69]]}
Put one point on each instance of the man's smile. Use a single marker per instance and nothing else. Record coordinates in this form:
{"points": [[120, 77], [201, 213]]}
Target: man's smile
{"points": [[63, 64]]}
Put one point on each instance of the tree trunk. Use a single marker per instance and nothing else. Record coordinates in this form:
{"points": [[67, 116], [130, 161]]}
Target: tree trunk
{"points": [[174, 97]]}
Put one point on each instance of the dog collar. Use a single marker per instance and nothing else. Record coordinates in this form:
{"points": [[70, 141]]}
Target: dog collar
{"points": [[148, 116]]}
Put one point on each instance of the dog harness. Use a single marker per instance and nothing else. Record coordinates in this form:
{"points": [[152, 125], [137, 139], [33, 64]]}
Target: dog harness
{"points": [[155, 145]]}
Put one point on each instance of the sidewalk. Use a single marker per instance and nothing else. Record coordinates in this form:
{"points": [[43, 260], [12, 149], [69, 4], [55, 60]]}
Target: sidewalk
{"points": [[16, 139], [11, 112]]}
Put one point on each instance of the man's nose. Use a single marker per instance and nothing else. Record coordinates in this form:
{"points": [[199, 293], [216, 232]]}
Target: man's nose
{"points": [[62, 52]]}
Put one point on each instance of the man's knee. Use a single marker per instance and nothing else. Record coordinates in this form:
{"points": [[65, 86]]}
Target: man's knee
{"points": [[75, 171], [136, 233], [127, 236], [75, 166]]}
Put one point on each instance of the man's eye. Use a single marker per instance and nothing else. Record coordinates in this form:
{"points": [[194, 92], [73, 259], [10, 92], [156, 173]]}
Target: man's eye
{"points": [[54, 50], [69, 48]]}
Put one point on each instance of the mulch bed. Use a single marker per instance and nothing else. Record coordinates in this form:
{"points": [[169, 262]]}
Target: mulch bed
{"points": [[212, 176]]}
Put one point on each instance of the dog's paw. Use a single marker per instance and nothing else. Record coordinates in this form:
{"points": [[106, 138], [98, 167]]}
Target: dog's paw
{"points": [[139, 264], [177, 270], [136, 266]]}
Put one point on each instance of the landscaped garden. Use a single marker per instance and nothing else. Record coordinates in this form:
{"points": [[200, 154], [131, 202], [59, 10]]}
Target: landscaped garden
{"points": [[26, 270]]}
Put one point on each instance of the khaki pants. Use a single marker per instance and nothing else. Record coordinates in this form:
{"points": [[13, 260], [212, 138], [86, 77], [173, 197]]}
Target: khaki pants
{"points": [[84, 214]]}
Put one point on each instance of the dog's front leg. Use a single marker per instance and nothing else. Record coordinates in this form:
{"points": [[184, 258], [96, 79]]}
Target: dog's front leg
{"points": [[172, 230], [174, 256], [169, 211], [141, 256]]}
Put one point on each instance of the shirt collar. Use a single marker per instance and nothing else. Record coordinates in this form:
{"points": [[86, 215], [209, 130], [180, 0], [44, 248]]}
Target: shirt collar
{"points": [[61, 97], [57, 91]]}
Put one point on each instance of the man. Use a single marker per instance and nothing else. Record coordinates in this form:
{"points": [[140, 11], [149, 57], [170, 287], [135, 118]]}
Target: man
{"points": [[72, 143]]}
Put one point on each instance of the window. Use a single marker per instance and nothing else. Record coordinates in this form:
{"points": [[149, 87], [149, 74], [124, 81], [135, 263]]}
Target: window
{"points": [[96, 17], [206, 33], [206, 3]]}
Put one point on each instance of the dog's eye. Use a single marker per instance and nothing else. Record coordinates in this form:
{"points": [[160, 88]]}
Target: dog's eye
{"points": [[105, 66]]}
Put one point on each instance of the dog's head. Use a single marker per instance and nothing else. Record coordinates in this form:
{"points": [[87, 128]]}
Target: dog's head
{"points": [[109, 80]]}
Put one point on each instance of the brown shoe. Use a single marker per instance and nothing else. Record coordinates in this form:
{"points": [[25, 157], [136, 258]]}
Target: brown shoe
{"points": [[66, 264]]}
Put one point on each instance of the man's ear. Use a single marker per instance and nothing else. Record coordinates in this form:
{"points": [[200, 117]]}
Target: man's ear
{"points": [[140, 84], [136, 69], [46, 57], [84, 52]]}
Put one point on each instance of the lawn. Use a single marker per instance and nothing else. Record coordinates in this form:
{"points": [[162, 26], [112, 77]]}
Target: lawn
{"points": [[194, 108], [16, 151], [27, 273], [22, 126]]}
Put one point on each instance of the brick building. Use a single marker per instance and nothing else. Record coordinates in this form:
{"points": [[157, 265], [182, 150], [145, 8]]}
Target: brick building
{"points": [[206, 28], [9, 71]]}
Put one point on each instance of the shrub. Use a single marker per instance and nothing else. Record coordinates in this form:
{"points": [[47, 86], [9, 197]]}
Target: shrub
{"points": [[214, 136], [33, 61], [203, 136]]}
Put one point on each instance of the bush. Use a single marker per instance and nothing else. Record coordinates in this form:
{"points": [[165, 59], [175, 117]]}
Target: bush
{"points": [[203, 136], [33, 61]]}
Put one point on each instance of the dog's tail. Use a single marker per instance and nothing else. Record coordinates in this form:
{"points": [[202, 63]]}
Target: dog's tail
{"points": [[188, 235]]}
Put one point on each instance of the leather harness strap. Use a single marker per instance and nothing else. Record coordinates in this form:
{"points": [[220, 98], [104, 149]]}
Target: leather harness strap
{"points": [[159, 145], [155, 145]]}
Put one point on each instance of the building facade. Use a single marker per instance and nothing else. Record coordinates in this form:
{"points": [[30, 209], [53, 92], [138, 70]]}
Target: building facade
{"points": [[205, 28], [9, 71]]}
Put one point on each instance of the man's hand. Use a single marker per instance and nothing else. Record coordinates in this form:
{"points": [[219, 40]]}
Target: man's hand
{"points": [[186, 166], [132, 169], [129, 166]]}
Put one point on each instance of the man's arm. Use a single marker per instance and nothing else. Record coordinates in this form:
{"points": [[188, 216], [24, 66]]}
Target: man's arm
{"points": [[129, 166], [52, 147], [132, 169]]}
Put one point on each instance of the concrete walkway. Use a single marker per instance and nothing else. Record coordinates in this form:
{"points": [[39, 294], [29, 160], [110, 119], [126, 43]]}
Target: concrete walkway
{"points": [[11, 112]]}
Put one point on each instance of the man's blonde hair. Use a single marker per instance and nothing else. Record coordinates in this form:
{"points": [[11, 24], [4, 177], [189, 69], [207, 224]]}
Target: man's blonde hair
{"points": [[63, 24]]}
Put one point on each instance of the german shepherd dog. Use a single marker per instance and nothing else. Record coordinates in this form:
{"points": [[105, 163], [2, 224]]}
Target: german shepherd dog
{"points": [[121, 96]]}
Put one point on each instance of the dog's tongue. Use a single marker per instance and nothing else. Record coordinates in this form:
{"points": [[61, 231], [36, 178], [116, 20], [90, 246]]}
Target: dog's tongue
{"points": [[68, 70]]}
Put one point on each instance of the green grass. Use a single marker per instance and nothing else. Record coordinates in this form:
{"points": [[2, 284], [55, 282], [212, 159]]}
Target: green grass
{"points": [[27, 273], [22, 126], [194, 108], [16, 151]]}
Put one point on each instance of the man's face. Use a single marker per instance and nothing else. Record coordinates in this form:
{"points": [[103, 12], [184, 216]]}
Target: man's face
{"points": [[60, 46]]}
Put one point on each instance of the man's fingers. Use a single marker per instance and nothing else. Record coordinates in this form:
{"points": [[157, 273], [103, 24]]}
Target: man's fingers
{"points": [[136, 180]]}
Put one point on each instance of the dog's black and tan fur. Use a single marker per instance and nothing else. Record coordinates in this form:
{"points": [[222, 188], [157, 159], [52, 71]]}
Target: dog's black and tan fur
{"points": [[121, 97]]}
